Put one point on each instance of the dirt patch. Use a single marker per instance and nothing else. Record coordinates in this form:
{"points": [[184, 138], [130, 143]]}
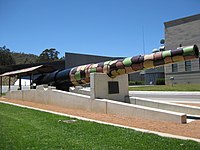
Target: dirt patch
{"points": [[191, 129]]}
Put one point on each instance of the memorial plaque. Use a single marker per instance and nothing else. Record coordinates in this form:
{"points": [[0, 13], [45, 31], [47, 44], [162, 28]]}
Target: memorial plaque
{"points": [[113, 87]]}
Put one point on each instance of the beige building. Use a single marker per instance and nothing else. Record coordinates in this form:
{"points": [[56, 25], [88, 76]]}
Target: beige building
{"points": [[184, 31]]}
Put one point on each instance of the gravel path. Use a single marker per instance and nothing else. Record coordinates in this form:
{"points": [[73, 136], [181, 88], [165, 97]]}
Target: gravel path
{"points": [[191, 129]]}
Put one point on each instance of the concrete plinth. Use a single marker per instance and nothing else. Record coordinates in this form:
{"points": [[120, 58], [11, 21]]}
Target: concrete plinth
{"points": [[102, 86]]}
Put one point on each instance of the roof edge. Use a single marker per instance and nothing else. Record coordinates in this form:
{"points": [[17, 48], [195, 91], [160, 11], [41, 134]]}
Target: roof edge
{"points": [[182, 20]]}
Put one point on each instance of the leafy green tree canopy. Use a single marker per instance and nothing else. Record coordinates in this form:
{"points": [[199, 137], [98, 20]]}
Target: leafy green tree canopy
{"points": [[48, 55], [6, 56]]}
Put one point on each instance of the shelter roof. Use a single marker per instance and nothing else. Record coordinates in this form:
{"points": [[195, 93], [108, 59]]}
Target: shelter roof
{"points": [[31, 70]]}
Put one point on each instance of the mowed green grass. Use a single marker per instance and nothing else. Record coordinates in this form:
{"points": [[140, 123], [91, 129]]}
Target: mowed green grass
{"points": [[22, 128], [3, 94], [176, 87]]}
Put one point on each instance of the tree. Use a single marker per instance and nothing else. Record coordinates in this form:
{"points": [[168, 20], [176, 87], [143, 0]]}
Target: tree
{"points": [[6, 56], [48, 55], [62, 58]]}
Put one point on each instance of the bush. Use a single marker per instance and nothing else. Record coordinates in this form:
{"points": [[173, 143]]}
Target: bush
{"points": [[136, 82], [160, 81]]}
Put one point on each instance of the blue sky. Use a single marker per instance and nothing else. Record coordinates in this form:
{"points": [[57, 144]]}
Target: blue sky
{"points": [[100, 27]]}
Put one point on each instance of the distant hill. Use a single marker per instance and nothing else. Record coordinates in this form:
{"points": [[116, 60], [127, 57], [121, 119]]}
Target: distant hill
{"points": [[9, 57], [22, 58]]}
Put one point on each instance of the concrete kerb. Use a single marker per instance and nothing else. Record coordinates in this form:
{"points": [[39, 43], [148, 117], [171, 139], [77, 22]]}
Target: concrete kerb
{"points": [[101, 122], [165, 105], [131, 110]]}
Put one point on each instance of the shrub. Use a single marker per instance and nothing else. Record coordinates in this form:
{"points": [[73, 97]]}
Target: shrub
{"points": [[136, 82], [160, 81]]}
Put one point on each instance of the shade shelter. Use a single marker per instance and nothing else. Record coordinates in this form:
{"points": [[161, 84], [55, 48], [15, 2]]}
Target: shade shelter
{"points": [[31, 71]]}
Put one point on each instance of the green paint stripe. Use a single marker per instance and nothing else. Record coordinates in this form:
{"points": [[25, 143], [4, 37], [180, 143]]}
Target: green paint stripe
{"points": [[166, 54], [93, 70], [121, 71], [107, 62], [127, 62], [77, 75], [188, 51]]}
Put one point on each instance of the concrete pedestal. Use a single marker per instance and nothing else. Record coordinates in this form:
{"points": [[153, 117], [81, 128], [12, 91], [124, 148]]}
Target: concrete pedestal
{"points": [[102, 86]]}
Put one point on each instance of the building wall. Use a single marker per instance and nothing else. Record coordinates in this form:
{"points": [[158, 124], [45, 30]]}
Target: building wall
{"points": [[151, 78], [74, 59], [152, 75], [136, 77], [184, 31]]}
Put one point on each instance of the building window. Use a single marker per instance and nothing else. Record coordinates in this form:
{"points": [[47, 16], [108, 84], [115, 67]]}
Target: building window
{"points": [[174, 68], [187, 65]]}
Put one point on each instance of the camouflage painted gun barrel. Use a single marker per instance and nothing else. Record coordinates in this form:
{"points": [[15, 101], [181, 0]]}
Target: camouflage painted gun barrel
{"points": [[81, 74]]}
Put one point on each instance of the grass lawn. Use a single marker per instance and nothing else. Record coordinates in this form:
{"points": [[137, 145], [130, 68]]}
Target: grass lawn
{"points": [[3, 94], [177, 87], [22, 128]]}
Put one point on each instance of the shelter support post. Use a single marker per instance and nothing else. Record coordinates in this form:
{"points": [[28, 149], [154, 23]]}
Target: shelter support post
{"points": [[1, 86], [30, 80], [20, 83], [9, 83]]}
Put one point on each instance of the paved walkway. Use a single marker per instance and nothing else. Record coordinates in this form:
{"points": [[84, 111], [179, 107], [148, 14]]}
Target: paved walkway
{"points": [[192, 97]]}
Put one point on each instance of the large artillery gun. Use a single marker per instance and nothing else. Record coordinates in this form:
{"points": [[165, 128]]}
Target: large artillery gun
{"points": [[80, 75]]}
